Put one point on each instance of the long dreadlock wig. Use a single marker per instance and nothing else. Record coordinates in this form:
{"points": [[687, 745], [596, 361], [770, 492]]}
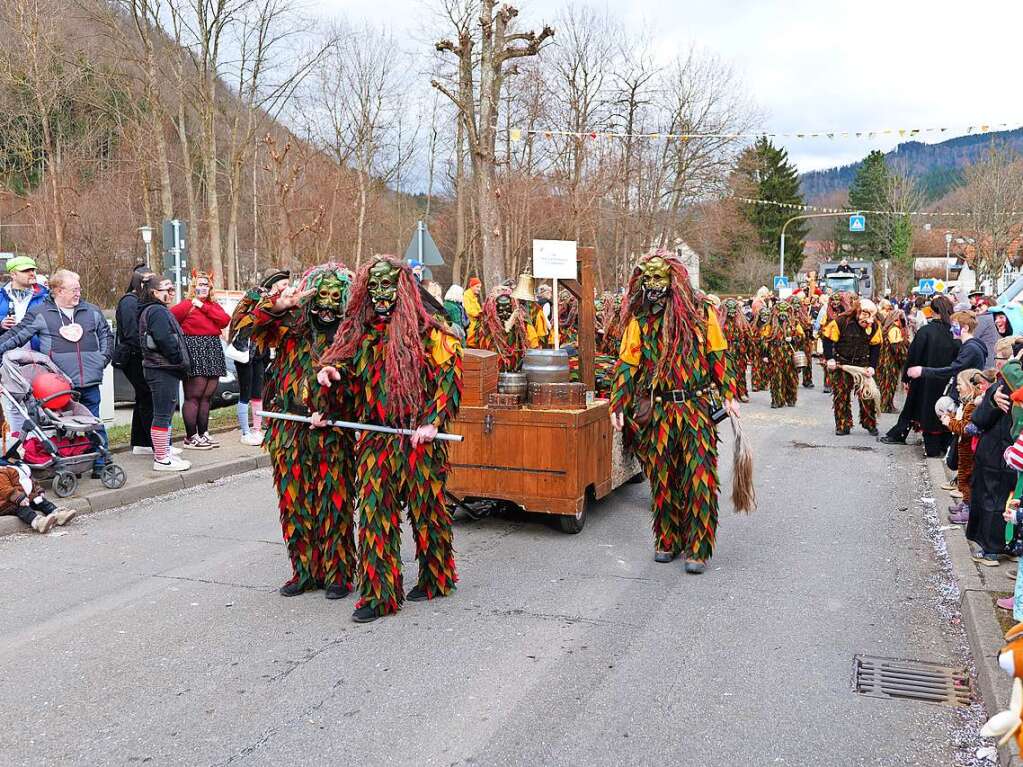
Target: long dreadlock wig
{"points": [[404, 358], [784, 320], [682, 315], [494, 326], [738, 319]]}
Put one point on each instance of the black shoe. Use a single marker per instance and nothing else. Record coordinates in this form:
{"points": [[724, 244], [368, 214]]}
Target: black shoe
{"points": [[337, 591], [842, 432], [663, 556], [365, 614], [808, 386], [294, 588], [792, 404], [695, 568], [872, 432], [773, 405], [886, 440], [826, 390], [417, 595]]}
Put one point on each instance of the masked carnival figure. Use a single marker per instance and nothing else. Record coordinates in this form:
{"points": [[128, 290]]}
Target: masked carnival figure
{"points": [[504, 330], [838, 304], [313, 470], [403, 369], [782, 336], [760, 371], [802, 307], [854, 339], [668, 381], [740, 343], [894, 350]]}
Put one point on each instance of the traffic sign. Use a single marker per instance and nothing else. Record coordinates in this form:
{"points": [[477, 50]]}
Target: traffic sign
{"points": [[939, 286], [857, 223], [781, 282], [926, 287]]}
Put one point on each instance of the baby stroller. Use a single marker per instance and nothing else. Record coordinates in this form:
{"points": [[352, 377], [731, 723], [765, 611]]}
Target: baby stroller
{"points": [[58, 444]]}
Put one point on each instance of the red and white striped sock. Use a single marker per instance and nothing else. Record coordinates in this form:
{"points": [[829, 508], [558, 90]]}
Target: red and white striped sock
{"points": [[257, 420], [161, 442]]}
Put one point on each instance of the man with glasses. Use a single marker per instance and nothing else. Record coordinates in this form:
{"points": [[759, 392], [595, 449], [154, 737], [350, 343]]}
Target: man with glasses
{"points": [[74, 334]]}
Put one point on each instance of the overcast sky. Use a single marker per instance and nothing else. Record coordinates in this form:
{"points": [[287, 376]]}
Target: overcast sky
{"points": [[823, 65]]}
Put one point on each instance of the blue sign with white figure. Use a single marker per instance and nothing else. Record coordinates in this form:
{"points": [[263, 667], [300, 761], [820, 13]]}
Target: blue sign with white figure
{"points": [[857, 223], [926, 287], [781, 282]]}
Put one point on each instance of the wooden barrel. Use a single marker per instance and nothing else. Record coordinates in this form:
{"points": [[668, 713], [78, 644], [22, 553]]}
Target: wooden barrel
{"points": [[513, 383], [546, 365]]}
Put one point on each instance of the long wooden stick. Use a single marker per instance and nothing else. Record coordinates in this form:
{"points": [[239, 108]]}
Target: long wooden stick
{"points": [[355, 426]]}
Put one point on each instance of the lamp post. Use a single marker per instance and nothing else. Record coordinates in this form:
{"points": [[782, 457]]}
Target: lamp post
{"points": [[147, 238], [781, 248], [948, 247]]}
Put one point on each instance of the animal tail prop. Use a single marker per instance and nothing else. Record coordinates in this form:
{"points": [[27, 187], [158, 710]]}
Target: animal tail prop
{"points": [[744, 494], [866, 386]]}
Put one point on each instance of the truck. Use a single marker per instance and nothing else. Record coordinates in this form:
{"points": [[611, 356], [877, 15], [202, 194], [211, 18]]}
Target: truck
{"points": [[852, 276]]}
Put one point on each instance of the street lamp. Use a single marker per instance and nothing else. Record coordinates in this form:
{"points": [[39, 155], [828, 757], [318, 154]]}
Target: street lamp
{"points": [[147, 238], [948, 246]]}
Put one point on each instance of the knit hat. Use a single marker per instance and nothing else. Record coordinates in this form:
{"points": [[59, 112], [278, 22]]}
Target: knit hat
{"points": [[454, 294]]}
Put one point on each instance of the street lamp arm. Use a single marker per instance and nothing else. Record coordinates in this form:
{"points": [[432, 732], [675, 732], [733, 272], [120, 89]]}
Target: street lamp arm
{"points": [[781, 249]]}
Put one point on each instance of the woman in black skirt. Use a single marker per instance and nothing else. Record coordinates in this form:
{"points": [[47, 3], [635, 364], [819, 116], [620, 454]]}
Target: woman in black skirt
{"points": [[202, 319]]}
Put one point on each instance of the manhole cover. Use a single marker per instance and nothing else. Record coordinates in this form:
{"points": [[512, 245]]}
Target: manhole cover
{"points": [[911, 679]]}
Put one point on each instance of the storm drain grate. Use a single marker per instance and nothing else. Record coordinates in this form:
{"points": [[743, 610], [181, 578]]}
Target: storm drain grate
{"points": [[912, 679]]}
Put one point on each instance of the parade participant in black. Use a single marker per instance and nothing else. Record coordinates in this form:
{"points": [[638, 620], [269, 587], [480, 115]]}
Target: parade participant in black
{"points": [[852, 339]]}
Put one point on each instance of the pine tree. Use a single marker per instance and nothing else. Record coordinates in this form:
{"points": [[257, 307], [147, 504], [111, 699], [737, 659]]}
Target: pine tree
{"points": [[868, 191], [774, 178]]}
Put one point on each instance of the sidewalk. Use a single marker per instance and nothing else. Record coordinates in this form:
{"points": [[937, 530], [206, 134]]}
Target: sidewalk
{"points": [[979, 587], [229, 459]]}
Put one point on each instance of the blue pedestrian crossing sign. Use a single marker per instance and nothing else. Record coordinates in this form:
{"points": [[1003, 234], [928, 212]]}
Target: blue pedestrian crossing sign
{"points": [[857, 223], [781, 282], [926, 287]]}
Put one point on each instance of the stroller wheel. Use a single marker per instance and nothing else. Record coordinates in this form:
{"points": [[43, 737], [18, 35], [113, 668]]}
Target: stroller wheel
{"points": [[112, 476], [64, 483]]}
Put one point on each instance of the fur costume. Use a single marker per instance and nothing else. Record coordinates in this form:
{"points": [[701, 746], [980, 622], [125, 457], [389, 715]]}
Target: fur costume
{"points": [[805, 319], [849, 342], [671, 367], [894, 349], [403, 370], [312, 468], [759, 355]]}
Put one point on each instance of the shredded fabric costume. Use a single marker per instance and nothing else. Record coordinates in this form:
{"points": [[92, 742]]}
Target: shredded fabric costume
{"points": [[781, 337], [312, 468], [760, 371], [809, 342], [675, 360], [423, 388], [848, 343], [741, 344], [504, 330], [894, 348]]}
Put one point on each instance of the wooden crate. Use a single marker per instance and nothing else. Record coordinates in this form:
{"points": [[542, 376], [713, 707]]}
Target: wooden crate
{"points": [[557, 396], [479, 376], [543, 460]]}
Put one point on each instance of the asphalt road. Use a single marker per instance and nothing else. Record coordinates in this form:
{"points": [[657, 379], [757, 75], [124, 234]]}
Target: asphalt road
{"points": [[153, 634]]}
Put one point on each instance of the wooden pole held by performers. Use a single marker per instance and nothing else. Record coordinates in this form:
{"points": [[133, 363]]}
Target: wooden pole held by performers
{"points": [[356, 426]]}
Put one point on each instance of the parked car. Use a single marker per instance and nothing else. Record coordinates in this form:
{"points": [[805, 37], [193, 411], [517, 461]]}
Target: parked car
{"points": [[227, 388]]}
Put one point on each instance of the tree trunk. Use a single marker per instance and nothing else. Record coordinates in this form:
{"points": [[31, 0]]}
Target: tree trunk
{"points": [[193, 203], [209, 155]]}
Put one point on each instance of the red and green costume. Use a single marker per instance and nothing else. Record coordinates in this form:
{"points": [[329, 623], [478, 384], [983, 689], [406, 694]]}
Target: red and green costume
{"points": [[894, 350], [760, 371], [672, 357], [781, 336], [313, 469], [741, 343], [504, 330], [403, 370]]}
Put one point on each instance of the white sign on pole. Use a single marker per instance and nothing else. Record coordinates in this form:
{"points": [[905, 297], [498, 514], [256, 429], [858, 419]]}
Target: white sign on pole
{"points": [[554, 259]]}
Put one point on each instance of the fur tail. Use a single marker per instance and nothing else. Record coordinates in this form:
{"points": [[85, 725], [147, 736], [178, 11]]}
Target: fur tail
{"points": [[744, 494]]}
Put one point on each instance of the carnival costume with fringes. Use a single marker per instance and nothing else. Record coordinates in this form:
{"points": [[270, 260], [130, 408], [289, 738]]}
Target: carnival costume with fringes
{"points": [[671, 362], [760, 368], [809, 342], [894, 350], [504, 330], [741, 343], [404, 370], [782, 336], [313, 469], [849, 342]]}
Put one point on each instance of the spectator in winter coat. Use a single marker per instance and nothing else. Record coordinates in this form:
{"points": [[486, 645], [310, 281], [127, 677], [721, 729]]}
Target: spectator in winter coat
{"points": [[972, 353], [19, 295], [23, 498], [128, 359], [75, 335]]}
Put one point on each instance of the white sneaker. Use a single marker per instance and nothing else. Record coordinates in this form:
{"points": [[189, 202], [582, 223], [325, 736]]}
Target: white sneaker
{"points": [[173, 463], [207, 440], [175, 450], [253, 438], [137, 450], [196, 443]]}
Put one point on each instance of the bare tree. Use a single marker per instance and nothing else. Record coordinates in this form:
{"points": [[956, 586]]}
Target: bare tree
{"points": [[499, 47], [992, 198]]}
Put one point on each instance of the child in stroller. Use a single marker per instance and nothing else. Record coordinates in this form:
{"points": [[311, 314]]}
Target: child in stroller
{"points": [[59, 437]]}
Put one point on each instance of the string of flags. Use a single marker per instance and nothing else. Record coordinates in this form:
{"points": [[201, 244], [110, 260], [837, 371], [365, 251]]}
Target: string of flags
{"points": [[516, 134], [821, 209]]}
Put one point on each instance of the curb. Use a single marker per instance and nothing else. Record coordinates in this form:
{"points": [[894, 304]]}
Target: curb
{"points": [[102, 500], [982, 628]]}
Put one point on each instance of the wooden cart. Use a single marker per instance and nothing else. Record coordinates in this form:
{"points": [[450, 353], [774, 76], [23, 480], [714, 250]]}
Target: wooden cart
{"points": [[545, 461]]}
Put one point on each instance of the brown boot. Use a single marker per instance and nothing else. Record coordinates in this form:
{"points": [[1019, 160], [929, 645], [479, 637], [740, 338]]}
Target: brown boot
{"points": [[43, 523], [64, 514]]}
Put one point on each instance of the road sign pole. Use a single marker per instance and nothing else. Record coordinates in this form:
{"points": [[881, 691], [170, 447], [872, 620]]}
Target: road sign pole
{"points": [[781, 254]]}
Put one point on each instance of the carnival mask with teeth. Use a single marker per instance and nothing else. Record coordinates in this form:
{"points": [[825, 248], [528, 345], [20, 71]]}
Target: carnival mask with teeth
{"points": [[656, 280], [731, 308], [329, 302], [383, 288], [505, 306]]}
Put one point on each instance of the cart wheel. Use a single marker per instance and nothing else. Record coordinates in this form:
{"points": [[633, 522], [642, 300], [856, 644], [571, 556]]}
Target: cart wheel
{"points": [[573, 523], [112, 476], [64, 484]]}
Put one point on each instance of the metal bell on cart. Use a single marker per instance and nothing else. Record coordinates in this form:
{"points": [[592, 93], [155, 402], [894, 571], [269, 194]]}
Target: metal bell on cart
{"points": [[524, 290]]}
